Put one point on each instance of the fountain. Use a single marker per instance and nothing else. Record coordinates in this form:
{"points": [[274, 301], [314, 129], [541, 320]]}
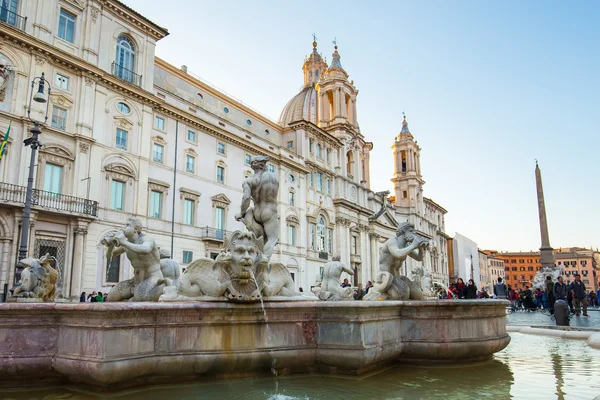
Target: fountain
{"points": [[239, 315]]}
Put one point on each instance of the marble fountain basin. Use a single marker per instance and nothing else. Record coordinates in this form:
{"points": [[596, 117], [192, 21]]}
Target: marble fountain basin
{"points": [[129, 344]]}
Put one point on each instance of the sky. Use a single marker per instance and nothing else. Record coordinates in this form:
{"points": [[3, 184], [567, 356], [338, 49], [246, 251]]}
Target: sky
{"points": [[488, 87]]}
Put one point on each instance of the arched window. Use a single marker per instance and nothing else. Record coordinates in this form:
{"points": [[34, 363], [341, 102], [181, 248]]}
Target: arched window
{"points": [[319, 153], [349, 163], [125, 58], [321, 233]]}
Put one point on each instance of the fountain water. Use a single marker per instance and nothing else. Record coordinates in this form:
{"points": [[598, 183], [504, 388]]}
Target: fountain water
{"points": [[539, 280]]}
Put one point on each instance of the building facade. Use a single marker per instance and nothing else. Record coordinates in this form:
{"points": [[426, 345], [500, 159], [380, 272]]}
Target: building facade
{"points": [[484, 271], [131, 135], [465, 263], [496, 270]]}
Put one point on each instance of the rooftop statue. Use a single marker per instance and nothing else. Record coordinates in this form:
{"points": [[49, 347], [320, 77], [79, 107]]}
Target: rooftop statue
{"points": [[148, 282], [240, 273], [38, 279], [261, 188], [389, 283]]}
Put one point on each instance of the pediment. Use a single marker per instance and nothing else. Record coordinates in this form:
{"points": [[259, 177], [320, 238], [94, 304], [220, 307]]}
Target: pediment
{"points": [[221, 198], [77, 3], [159, 139], [57, 151], [61, 100], [123, 122], [191, 152]]}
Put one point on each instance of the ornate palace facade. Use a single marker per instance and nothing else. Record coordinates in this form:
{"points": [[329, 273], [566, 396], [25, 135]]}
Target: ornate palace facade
{"points": [[131, 135]]}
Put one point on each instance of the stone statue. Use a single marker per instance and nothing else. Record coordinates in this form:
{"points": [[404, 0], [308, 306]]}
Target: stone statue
{"points": [[422, 277], [38, 279], [389, 284], [147, 283], [261, 188], [169, 267], [239, 273], [384, 195], [330, 286]]}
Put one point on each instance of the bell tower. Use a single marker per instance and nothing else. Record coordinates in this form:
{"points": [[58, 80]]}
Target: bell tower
{"points": [[407, 178], [314, 67]]}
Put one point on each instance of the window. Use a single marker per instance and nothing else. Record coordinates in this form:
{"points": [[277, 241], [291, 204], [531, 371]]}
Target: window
{"points": [[159, 123], [188, 211], [121, 139], [66, 26], [124, 108], [291, 198], [514, 268], [319, 153], [113, 269], [267, 132], [191, 137], [52, 178], [311, 236], [59, 118], [62, 82], [226, 110], [404, 194], [190, 163], [327, 154], [290, 144], [521, 261], [328, 186], [125, 59], [529, 268], [9, 10], [321, 233], [220, 222], [220, 175], [291, 235], [199, 96], [220, 148], [155, 204], [330, 241], [271, 168], [157, 153], [248, 122], [354, 245], [248, 159], [187, 257], [319, 181], [117, 195], [310, 145], [310, 179]]}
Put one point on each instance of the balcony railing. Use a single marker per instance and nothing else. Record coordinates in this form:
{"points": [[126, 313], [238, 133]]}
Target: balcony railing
{"points": [[48, 200], [213, 233], [12, 19], [127, 75]]}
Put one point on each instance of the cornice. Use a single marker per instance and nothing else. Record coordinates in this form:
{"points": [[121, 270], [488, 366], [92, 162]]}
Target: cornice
{"points": [[119, 9], [314, 129]]}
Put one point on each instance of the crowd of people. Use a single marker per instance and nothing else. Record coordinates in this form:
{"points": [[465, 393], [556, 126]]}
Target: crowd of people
{"points": [[93, 297]]}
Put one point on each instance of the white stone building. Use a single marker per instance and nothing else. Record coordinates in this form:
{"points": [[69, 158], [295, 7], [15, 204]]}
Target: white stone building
{"points": [[465, 258], [132, 135]]}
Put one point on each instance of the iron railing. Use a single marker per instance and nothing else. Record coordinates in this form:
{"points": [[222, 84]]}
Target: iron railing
{"points": [[48, 200], [127, 75], [213, 233], [12, 19]]}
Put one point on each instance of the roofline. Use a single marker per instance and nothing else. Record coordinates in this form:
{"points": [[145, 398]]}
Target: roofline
{"points": [[436, 204], [157, 31], [216, 93]]}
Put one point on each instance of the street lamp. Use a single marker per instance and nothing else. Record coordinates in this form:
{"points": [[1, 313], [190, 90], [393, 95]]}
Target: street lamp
{"points": [[33, 141]]}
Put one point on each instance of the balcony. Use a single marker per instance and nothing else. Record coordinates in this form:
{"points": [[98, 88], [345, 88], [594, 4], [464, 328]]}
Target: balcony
{"points": [[47, 200], [208, 233], [127, 75], [12, 19]]}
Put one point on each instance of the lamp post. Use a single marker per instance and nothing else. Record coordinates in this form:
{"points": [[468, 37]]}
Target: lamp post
{"points": [[34, 143]]}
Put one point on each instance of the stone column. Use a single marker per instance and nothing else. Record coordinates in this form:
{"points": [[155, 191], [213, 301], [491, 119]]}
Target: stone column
{"points": [[374, 255], [5, 268], [77, 265]]}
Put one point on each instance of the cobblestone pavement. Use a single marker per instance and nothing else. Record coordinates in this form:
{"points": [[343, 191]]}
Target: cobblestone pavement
{"points": [[537, 318]]}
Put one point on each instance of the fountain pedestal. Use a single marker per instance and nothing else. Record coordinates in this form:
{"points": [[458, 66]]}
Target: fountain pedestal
{"points": [[129, 344]]}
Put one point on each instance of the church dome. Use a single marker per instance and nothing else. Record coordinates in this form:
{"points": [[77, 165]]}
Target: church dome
{"points": [[301, 106]]}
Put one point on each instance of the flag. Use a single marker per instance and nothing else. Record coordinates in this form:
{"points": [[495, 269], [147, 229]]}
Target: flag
{"points": [[4, 142]]}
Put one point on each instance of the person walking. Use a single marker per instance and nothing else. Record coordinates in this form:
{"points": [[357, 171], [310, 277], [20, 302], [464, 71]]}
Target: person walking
{"points": [[577, 287], [471, 290], [500, 289], [550, 294]]}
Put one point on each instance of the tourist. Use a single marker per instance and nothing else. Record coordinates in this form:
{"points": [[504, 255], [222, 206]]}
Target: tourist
{"points": [[460, 288], [560, 290], [100, 298], [550, 294], [345, 284], [92, 297], [570, 301], [104, 299], [593, 299], [368, 286], [513, 296], [538, 298], [484, 294], [359, 293], [471, 290], [500, 289], [82, 298], [577, 287]]}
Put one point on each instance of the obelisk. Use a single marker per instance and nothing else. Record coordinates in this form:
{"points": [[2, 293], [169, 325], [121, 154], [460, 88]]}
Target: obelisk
{"points": [[546, 254]]}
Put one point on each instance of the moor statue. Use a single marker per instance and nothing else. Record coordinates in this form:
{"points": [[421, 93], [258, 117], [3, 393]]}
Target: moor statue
{"points": [[169, 267], [147, 283], [330, 286], [261, 188], [38, 279]]}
